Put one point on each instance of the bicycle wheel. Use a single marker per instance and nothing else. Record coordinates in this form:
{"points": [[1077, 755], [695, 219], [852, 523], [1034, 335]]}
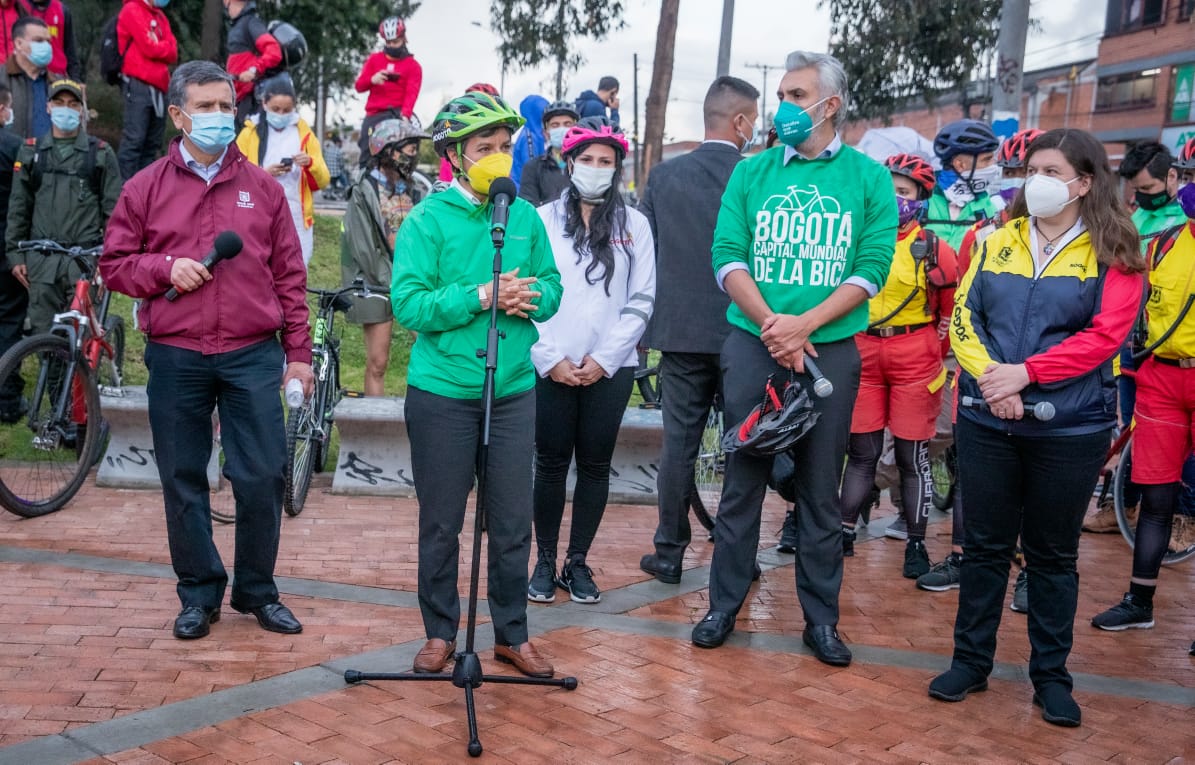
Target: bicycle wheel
{"points": [[49, 451], [647, 382], [328, 396], [110, 372], [300, 447], [1126, 517], [944, 469], [708, 471], [221, 499]]}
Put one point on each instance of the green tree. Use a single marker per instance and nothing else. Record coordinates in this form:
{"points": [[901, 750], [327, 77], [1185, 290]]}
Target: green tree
{"points": [[535, 31], [895, 51]]}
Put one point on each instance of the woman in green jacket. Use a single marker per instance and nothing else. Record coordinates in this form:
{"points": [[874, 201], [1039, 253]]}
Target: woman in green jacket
{"points": [[442, 290]]}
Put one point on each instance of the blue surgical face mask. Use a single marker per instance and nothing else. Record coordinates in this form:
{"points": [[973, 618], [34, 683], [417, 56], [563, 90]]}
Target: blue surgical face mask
{"points": [[65, 118], [212, 131], [40, 53], [282, 121], [556, 136], [748, 140]]}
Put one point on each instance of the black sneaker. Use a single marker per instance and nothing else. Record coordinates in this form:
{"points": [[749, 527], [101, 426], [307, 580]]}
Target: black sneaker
{"points": [[542, 587], [788, 534], [577, 578], [848, 542], [1020, 593], [942, 576], [916, 559], [1128, 614]]}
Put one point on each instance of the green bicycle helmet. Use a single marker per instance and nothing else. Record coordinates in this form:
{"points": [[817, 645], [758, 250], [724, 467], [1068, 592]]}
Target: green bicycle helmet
{"points": [[468, 114]]}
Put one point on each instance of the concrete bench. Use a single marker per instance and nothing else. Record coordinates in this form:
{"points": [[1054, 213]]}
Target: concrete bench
{"points": [[128, 462], [375, 453]]}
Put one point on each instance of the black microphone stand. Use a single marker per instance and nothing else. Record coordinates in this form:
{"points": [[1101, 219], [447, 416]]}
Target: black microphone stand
{"points": [[466, 672]]}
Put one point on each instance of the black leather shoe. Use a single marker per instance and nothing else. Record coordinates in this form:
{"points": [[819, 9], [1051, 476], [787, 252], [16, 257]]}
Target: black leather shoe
{"points": [[275, 617], [713, 630], [195, 622], [668, 573], [826, 645]]}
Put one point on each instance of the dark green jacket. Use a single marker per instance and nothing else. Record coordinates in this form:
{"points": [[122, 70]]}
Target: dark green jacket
{"points": [[64, 207]]}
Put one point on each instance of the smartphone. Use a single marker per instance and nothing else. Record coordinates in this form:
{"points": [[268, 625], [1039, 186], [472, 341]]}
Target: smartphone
{"points": [[391, 75], [287, 161]]}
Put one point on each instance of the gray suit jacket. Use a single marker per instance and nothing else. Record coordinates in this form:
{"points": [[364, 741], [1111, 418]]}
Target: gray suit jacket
{"points": [[681, 201]]}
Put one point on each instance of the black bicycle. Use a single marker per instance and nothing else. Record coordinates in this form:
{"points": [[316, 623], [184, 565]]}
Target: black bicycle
{"points": [[309, 427]]}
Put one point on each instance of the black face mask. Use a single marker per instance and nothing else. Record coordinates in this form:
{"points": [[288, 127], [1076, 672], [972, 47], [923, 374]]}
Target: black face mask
{"points": [[400, 52], [1151, 202]]}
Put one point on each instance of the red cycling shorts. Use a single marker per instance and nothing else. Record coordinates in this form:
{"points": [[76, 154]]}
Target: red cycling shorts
{"points": [[901, 384], [1164, 422]]}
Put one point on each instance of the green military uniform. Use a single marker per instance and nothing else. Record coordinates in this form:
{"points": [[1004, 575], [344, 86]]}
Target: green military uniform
{"points": [[59, 201]]}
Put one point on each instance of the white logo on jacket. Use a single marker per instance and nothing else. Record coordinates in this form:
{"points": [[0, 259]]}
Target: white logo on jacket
{"points": [[243, 200]]}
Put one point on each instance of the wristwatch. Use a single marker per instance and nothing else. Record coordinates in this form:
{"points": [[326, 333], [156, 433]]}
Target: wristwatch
{"points": [[481, 295]]}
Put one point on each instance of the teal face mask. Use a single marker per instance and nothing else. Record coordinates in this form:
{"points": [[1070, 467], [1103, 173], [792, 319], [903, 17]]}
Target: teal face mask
{"points": [[793, 124]]}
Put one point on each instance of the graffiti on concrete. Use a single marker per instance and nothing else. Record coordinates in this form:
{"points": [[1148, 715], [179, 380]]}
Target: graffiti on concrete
{"points": [[135, 457], [360, 470]]}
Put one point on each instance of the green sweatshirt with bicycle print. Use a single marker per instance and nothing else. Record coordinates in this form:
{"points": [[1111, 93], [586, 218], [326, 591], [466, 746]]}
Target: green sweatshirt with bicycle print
{"points": [[446, 253], [804, 228]]}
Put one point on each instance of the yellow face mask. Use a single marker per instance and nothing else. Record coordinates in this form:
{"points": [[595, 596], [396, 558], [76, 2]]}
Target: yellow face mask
{"points": [[483, 172]]}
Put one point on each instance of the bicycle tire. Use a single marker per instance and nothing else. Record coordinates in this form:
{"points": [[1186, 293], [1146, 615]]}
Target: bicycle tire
{"points": [[60, 452], [300, 443], [708, 471], [110, 371], [222, 502], [944, 469], [1128, 529], [329, 397]]}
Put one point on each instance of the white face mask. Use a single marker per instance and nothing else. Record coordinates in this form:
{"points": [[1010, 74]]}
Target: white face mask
{"points": [[1046, 196], [592, 182], [986, 180]]}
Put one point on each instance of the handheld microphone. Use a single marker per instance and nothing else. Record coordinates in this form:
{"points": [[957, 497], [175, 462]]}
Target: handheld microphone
{"points": [[227, 245], [1042, 411], [502, 193], [821, 386]]}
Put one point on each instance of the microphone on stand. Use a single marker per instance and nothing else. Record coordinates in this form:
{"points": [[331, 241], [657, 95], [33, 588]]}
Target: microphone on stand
{"points": [[821, 386], [502, 193], [227, 245], [1042, 411]]}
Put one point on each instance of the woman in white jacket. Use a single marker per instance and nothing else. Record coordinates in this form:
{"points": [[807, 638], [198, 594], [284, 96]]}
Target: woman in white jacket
{"points": [[586, 354]]}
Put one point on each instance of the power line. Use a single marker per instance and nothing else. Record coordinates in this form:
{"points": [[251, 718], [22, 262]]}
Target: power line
{"points": [[764, 107]]}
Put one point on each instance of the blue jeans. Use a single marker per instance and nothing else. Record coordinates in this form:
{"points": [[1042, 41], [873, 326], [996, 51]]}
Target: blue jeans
{"points": [[184, 387]]}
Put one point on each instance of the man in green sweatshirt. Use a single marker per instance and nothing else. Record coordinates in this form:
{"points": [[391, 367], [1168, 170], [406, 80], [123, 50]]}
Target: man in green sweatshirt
{"points": [[804, 237], [441, 288]]}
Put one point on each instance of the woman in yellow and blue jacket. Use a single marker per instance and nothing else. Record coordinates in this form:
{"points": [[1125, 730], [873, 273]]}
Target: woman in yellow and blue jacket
{"points": [[1038, 317]]}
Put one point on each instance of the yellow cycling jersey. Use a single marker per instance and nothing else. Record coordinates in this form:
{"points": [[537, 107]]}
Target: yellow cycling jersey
{"points": [[1171, 282], [906, 277]]}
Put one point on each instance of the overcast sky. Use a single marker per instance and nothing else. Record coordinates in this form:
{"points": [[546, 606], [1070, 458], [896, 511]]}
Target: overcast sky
{"points": [[454, 53]]}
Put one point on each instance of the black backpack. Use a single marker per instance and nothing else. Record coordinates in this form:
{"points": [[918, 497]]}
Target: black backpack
{"points": [[111, 56]]}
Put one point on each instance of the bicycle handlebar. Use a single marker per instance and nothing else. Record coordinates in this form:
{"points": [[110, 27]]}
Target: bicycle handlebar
{"points": [[49, 245], [358, 287]]}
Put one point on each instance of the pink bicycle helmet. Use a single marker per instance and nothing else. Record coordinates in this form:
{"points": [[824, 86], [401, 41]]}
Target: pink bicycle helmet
{"points": [[595, 130], [391, 28]]}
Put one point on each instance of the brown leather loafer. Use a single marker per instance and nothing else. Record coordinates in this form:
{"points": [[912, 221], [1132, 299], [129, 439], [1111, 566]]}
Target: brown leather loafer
{"points": [[434, 655], [525, 659]]}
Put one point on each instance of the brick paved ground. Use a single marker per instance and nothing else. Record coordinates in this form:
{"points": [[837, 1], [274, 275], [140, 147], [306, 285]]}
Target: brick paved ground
{"points": [[88, 668]]}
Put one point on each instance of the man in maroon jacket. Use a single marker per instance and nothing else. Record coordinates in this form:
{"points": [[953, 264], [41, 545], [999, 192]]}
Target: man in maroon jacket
{"points": [[221, 343], [252, 52], [143, 33]]}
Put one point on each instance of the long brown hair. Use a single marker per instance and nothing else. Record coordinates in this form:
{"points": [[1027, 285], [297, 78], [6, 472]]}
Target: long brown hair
{"points": [[1112, 232]]}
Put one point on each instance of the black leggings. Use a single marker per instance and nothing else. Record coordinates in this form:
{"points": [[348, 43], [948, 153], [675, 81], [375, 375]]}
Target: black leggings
{"points": [[1158, 504], [912, 460], [580, 420]]}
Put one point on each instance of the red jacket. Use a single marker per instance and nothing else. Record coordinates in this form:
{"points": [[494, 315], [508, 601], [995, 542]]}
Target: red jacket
{"points": [[250, 45], [399, 92], [143, 33], [8, 16], [166, 211], [58, 22]]}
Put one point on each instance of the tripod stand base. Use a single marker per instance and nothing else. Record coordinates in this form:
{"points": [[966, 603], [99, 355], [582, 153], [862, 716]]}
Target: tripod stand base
{"points": [[466, 674]]}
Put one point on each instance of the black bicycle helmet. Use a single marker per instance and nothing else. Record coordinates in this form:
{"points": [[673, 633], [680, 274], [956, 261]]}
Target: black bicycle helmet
{"points": [[782, 419], [561, 109], [965, 137]]}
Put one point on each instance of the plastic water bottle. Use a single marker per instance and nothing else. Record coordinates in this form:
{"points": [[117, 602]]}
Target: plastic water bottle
{"points": [[294, 393]]}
